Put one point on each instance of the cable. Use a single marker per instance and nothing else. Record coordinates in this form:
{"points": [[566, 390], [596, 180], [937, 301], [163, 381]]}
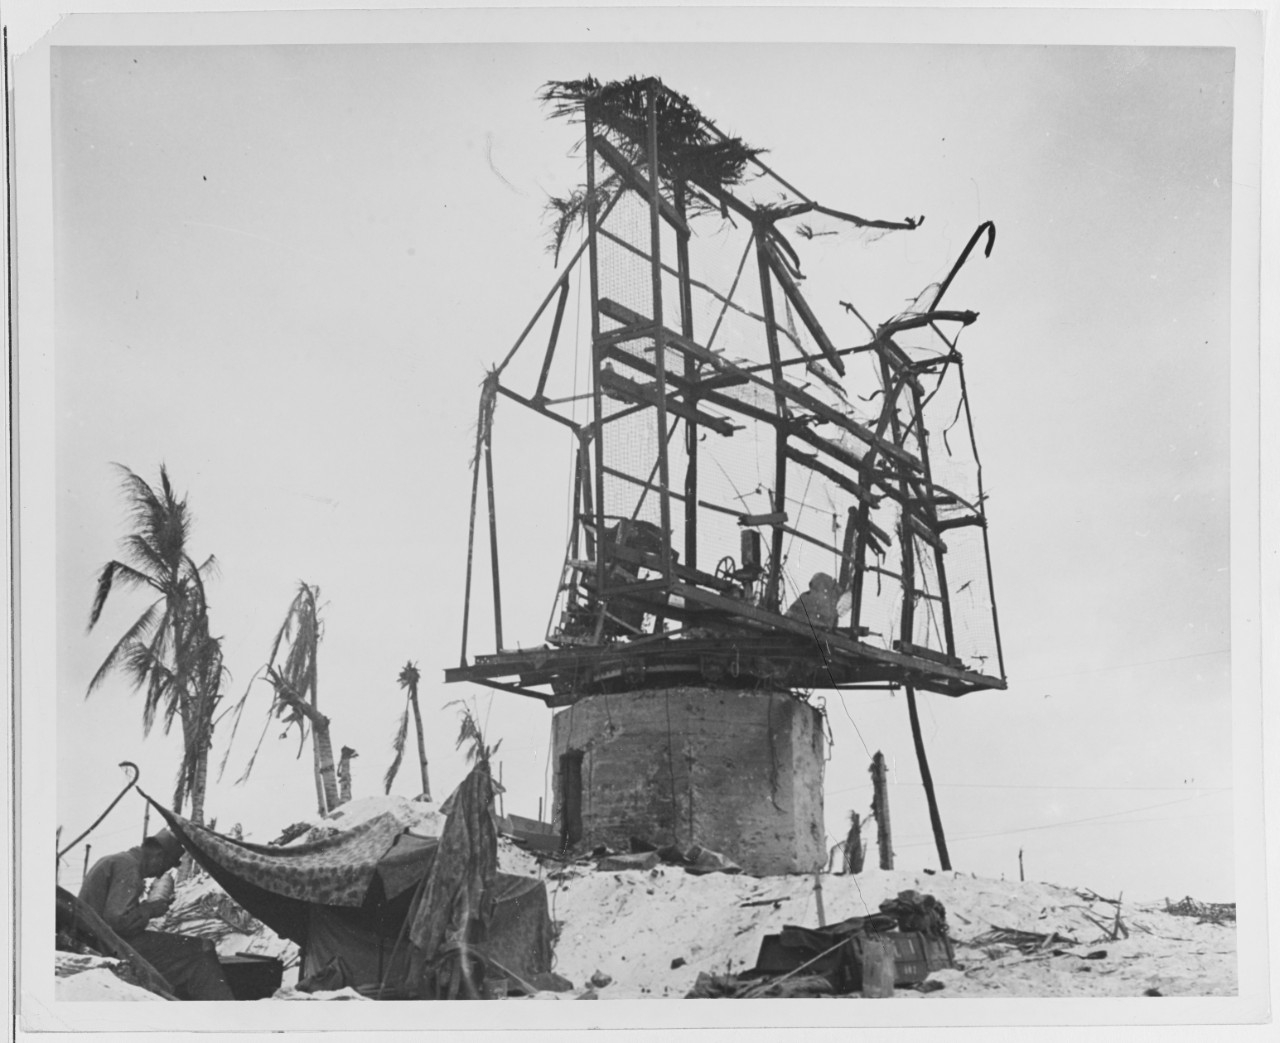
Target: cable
{"points": [[857, 731], [827, 666], [1005, 785], [1124, 666], [1070, 822]]}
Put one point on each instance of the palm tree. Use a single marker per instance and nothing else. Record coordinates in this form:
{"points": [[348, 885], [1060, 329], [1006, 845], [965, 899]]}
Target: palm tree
{"points": [[167, 651], [408, 680], [294, 681]]}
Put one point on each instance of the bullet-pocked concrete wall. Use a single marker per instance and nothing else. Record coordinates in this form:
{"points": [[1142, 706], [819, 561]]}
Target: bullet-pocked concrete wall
{"points": [[735, 771]]}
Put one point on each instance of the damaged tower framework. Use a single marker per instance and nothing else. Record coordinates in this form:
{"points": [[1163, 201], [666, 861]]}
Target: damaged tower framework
{"points": [[759, 509]]}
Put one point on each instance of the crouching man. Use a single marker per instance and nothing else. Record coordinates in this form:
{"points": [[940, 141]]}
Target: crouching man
{"points": [[114, 887]]}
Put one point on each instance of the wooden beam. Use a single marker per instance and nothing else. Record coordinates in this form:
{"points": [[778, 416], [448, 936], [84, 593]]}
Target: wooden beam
{"points": [[691, 439], [493, 539], [657, 203], [787, 390], [837, 640], [590, 141], [75, 915], [639, 183], [845, 483], [944, 524], [702, 389], [550, 414], [648, 393], [802, 306], [773, 584], [551, 340], [921, 529]]}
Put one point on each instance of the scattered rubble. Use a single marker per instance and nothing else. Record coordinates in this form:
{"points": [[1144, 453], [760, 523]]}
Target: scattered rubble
{"points": [[658, 930], [1205, 912], [631, 926]]}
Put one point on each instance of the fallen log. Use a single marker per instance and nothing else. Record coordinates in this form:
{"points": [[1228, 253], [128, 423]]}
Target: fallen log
{"points": [[78, 919]]}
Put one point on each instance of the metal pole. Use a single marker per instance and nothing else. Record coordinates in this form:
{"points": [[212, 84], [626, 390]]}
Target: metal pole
{"points": [[493, 537], [659, 333], [927, 778], [880, 808]]}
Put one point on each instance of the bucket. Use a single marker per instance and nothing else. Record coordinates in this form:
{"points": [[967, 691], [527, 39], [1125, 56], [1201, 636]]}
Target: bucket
{"points": [[879, 967]]}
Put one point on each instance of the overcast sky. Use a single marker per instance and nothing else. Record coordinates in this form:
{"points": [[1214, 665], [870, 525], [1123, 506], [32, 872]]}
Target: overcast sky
{"points": [[282, 271]]}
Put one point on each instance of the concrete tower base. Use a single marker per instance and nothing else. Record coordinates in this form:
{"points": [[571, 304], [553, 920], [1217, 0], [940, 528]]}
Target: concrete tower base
{"points": [[739, 772]]}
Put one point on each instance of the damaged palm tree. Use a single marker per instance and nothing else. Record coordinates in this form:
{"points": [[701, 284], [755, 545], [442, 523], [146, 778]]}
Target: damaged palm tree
{"points": [[408, 680], [451, 917], [293, 679], [344, 774]]}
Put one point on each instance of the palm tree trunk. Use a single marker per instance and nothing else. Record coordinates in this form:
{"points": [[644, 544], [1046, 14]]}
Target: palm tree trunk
{"points": [[327, 772], [326, 791], [321, 803], [422, 746], [199, 782], [344, 774]]}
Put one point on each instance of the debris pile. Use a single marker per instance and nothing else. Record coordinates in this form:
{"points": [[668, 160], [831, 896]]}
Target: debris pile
{"points": [[665, 933], [1205, 912]]}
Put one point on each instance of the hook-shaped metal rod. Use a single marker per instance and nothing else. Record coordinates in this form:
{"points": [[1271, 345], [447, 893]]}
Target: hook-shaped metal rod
{"points": [[987, 228], [132, 782]]}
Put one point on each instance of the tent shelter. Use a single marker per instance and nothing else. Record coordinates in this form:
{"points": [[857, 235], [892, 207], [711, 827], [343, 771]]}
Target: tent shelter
{"points": [[346, 899]]}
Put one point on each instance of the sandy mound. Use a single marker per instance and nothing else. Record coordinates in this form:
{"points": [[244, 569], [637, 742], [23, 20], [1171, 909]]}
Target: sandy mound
{"points": [[633, 926], [93, 979]]}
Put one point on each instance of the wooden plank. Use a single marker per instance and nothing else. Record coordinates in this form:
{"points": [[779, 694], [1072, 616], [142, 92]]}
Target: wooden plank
{"points": [[944, 524], [549, 413], [908, 648], [515, 688], [702, 388], [74, 914], [913, 322], [900, 361], [773, 584], [727, 200], [493, 538], [640, 183], [711, 291], [803, 398], [776, 518], [613, 472], [845, 483], [647, 393], [656, 203], [834, 639], [921, 529], [691, 438], [552, 339], [809, 539], [802, 306]]}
